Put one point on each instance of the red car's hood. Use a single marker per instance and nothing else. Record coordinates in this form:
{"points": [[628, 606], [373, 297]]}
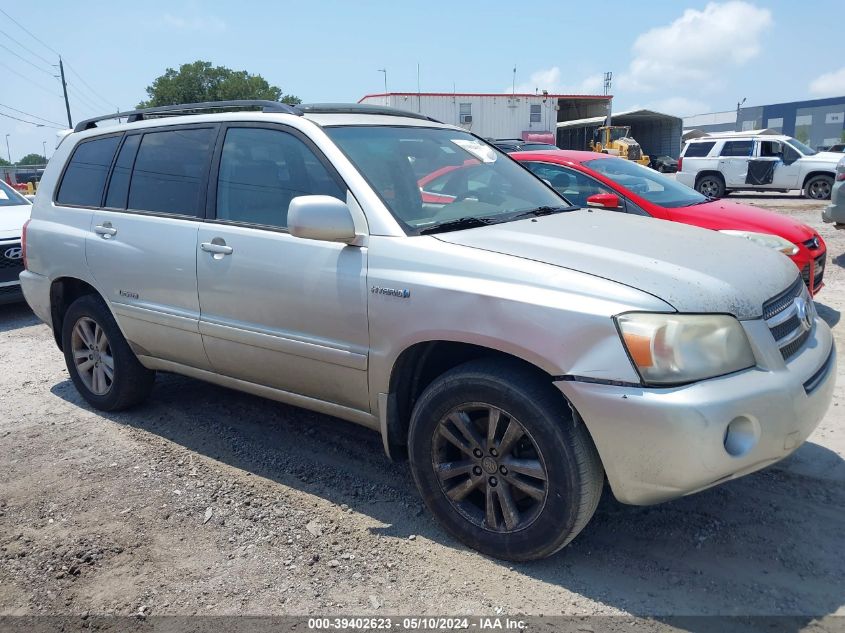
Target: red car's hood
{"points": [[722, 215]]}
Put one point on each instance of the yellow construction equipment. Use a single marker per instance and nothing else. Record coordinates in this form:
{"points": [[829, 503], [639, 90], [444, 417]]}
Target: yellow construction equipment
{"points": [[615, 140]]}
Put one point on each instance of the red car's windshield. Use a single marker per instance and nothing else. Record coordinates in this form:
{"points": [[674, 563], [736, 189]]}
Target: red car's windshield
{"points": [[646, 183]]}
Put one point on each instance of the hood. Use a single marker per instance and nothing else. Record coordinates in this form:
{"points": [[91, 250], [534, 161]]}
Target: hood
{"points": [[691, 269], [721, 215], [827, 157], [12, 219]]}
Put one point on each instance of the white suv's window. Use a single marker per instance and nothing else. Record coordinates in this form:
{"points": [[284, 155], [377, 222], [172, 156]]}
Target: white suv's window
{"points": [[699, 150], [737, 148]]}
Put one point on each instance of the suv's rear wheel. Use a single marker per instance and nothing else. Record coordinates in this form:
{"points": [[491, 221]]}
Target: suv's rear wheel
{"points": [[103, 368], [819, 187], [710, 186], [500, 462]]}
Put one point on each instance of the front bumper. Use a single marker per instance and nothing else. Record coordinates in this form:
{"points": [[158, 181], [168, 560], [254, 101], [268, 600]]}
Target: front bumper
{"points": [[10, 293], [835, 211], [658, 444]]}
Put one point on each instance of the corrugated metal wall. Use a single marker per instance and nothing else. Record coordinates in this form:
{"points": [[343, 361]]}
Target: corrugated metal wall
{"points": [[658, 135]]}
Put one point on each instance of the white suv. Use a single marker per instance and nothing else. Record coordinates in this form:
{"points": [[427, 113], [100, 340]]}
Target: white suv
{"points": [[720, 163]]}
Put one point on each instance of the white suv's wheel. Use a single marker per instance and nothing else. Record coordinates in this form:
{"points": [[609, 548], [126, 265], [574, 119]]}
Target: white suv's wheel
{"points": [[819, 187], [710, 186]]}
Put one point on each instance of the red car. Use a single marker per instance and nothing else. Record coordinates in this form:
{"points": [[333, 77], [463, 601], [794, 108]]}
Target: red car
{"points": [[601, 180]]}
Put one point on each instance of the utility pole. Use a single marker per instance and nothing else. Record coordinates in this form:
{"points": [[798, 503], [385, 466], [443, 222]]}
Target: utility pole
{"points": [[44, 145], [608, 78], [64, 89], [738, 106], [8, 151], [419, 93], [384, 70], [513, 88]]}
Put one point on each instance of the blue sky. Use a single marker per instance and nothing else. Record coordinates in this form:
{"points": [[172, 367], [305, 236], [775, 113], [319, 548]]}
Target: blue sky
{"points": [[679, 57]]}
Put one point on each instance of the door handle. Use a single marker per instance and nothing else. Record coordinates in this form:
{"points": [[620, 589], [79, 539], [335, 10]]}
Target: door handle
{"points": [[216, 249], [105, 230]]}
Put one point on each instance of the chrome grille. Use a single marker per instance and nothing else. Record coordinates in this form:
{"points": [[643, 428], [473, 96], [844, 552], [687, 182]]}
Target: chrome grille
{"points": [[783, 315], [818, 270]]}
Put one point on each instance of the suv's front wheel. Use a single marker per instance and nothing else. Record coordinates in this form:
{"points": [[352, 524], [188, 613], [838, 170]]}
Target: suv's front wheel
{"points": [[819, 187], [710, 186], [101, 364], [500, 462]]}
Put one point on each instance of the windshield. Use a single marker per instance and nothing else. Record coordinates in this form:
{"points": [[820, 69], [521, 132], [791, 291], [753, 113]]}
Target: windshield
{"points": [[9, 197], [619, 132], [646, 183], [429, 176], [807, 151]]}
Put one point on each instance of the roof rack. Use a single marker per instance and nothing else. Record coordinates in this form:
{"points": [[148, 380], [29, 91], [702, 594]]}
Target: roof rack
{"points": [[360, 108], [183, 109]]}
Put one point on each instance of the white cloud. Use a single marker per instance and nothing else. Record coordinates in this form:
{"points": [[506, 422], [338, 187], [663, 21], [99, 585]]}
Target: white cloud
{"points": [[550, 79], [830, 84], [698, 47], [208, 24]]}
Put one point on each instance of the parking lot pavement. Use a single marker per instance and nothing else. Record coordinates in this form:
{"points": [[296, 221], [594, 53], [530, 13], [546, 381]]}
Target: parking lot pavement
{"points": [[209, 501]]}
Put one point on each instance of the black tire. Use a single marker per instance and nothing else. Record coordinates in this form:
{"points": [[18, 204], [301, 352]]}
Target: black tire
{"points": [[130, 382], [710, 185], [818, 187], [552, 439]]}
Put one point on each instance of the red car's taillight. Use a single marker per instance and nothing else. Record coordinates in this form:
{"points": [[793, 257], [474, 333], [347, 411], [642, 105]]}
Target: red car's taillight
{"points": [[680, 163], [23, 243]]}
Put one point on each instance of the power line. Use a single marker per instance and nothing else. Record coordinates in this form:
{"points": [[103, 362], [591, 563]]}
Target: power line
{"points": [[24, 77], [30, 122], [32, 116], [96, 109], [90, 89], [34, 65], [26, 30], [28, 50]]}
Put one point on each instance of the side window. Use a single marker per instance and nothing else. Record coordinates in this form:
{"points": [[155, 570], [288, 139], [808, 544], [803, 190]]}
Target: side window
{"points": [[85, 176], [262, 170], [572, 185], [169, 171], [119, 183], [737, 148], [698, 150]]}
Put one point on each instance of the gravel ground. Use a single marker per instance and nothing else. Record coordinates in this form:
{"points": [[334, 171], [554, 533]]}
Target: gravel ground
{"points": [[208, 501]]}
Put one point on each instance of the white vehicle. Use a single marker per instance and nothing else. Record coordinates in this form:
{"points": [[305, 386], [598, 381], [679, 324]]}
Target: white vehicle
{"points": [[14, 211], [717, 164]]}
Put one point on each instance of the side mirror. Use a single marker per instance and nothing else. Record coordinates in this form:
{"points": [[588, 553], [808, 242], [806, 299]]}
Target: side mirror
{"points": [[603, 201], [321, 218]]}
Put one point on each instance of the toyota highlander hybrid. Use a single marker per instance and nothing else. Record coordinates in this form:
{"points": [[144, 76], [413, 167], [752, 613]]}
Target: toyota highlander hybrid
{"points": [[520, 350]]}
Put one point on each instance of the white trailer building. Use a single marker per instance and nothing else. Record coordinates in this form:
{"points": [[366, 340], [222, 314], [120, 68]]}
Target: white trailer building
{"points": [[519, 115]]}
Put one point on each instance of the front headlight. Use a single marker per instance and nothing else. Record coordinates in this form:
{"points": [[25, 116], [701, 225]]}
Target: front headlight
{"points": [[680, 348], [767, 239]]}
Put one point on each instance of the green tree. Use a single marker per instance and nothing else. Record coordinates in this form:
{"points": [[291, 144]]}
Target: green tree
{"points": [[4, 162], [33, 159], [200, 81]]}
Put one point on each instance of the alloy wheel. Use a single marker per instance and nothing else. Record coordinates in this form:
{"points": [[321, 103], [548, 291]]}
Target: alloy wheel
{"points": [[820, 190], [489, 467], [92, 356], [708, 187]]}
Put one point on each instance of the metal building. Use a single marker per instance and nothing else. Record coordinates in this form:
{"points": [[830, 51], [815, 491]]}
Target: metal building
{"points": [[658, 134], [817, 122], [518, 115]]}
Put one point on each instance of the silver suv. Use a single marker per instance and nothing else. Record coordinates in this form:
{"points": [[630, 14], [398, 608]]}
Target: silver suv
{"points": [[518, 349], [758, 161]]}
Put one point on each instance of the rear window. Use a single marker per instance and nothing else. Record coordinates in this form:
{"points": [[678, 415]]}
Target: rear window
{"points": [[85, 176], [170, 170], [737, 148], [698, 150]]}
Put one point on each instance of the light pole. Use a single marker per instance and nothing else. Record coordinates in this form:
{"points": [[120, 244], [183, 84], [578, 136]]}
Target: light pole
{"points": [[44, 145], [738, 106], [8, 151], [384, 70]]}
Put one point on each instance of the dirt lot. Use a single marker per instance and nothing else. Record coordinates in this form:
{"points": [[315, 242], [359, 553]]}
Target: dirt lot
{"points": [[208, 501]]}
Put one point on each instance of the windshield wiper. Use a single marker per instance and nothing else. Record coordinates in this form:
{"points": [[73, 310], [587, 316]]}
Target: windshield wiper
{"points": [[538, 211], [468, 222]]}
